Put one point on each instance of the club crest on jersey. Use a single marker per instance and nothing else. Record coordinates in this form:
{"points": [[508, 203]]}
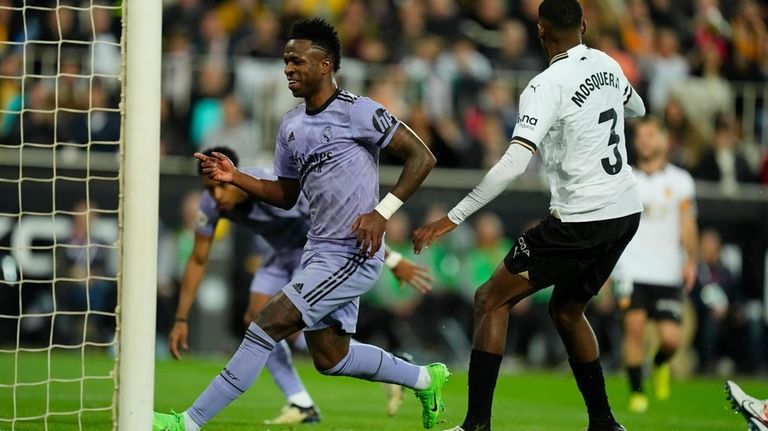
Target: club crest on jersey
{"points": [[327, 135], [527, 122], [382, 120], [201, 220]]}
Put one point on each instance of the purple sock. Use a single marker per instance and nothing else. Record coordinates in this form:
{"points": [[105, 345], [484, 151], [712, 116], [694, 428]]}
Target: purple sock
{"points": [[368, 362], [280, 367], [237, 376]]}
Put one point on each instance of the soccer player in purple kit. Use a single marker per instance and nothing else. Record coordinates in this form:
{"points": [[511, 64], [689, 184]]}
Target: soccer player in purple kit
{"points": [[286, 232], [327, 148]]}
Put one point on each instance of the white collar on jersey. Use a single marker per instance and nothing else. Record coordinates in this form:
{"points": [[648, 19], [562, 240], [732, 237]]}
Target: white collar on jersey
{"points": [[574, 51]]}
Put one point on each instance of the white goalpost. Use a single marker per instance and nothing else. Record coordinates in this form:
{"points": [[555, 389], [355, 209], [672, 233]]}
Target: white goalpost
{"points": [[79, 190], [142, 25]]}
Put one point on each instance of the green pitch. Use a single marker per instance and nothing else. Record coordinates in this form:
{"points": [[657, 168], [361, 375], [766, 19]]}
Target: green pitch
{"points": [[530, 402]]}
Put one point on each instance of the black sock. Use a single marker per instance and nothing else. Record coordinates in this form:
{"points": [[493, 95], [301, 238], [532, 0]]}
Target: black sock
{"points": [[635, 378], [662, 357], [591, 383], [483, 372]]}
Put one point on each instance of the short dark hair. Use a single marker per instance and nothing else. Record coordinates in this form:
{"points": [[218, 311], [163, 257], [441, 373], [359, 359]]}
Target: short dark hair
{"points": [[652, 120], [561, 14], [322, 34], [229, 152]]}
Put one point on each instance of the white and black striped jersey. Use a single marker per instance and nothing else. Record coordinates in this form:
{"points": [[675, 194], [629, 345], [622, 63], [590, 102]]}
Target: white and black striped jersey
{"points": [[573, 113]]}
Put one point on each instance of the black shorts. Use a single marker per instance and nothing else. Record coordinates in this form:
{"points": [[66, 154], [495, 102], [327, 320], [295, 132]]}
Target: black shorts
{"points": [[660, 302], [576, 256]]}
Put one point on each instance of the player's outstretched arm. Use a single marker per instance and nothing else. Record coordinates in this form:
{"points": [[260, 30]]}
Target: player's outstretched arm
{"points": [[407, 271], [282, 193], [512, 163], [190, 282], [419, 161]]}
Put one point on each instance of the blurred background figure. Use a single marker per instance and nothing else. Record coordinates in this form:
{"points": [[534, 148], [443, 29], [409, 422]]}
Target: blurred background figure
{"points": [[82, 259]]}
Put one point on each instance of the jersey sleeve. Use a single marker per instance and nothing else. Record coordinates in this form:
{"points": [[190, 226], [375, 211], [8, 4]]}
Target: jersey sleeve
{"points": [[207, 215], [633, 103], [539, 106], [285, 163], [371, 123], [687, 196]]}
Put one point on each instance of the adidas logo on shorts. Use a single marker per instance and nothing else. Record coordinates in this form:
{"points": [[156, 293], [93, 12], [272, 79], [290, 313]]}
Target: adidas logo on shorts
{"points": [[297, 287]]}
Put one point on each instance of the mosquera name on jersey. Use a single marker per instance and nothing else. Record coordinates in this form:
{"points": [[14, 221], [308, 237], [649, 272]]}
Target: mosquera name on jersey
{"points": [[586, 166]]}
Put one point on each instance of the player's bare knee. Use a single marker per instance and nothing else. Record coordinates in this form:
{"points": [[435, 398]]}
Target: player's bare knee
{"points": [[565, 317], [326, 361], [485, 301]]}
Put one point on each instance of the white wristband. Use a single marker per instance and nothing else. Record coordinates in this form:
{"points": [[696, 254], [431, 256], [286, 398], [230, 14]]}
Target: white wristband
{"points": [[388, 206], [393, 258]]}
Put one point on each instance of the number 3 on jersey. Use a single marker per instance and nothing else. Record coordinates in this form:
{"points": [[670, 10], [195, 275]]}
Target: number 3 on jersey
{"points": [[611, 168]]}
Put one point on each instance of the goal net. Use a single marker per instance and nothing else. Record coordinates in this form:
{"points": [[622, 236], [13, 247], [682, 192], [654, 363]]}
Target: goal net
{"points": [[64, 138]]}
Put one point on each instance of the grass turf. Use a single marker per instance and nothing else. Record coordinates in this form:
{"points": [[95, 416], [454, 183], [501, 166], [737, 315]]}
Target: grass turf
{"points": [[531, 401]]}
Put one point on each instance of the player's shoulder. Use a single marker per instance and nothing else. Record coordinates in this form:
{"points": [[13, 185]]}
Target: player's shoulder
{"points": [[677, 172], [206, 202], [678, 175]]}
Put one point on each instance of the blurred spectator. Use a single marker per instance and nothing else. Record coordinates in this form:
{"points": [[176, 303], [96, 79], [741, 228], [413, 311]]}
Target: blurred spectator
{"points": [[212, 39], [182, 16], [178, 76], [491, 245], [35, 124], [725, 162], [236, 132], [207, 113], [451, 297], [359, 34], [100, 124], [263, 41], [637, 30], [11, 30], [174, 249], [83, 259], [105, 55], [715, 291], [748, 34], [703, 98], [668, 68], [490, 143], [10, 87], [465, 70], [485, 24], [442, 18], [172, 139], [686, 139], [386, 310], [514, 52]]}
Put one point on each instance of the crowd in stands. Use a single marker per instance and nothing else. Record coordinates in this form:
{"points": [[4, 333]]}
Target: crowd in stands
{"points": [[451, 68]]}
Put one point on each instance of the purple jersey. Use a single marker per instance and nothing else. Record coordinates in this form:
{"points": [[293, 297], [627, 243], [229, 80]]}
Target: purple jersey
{"points": [[334, 153], [283, 230]]}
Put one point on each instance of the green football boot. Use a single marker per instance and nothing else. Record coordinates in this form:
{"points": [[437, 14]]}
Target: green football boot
{"points": [[431, 398], [171, 422]]}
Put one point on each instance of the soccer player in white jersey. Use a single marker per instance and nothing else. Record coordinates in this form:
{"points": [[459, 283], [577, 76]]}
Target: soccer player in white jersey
{"points": [[659, 263], [755, 411], [286, 232], [573, 114], [327, 149]]}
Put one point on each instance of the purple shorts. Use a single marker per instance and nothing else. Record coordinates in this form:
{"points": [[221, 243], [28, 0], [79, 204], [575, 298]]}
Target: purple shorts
{"points": [[327, 288], [276, 272]]}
